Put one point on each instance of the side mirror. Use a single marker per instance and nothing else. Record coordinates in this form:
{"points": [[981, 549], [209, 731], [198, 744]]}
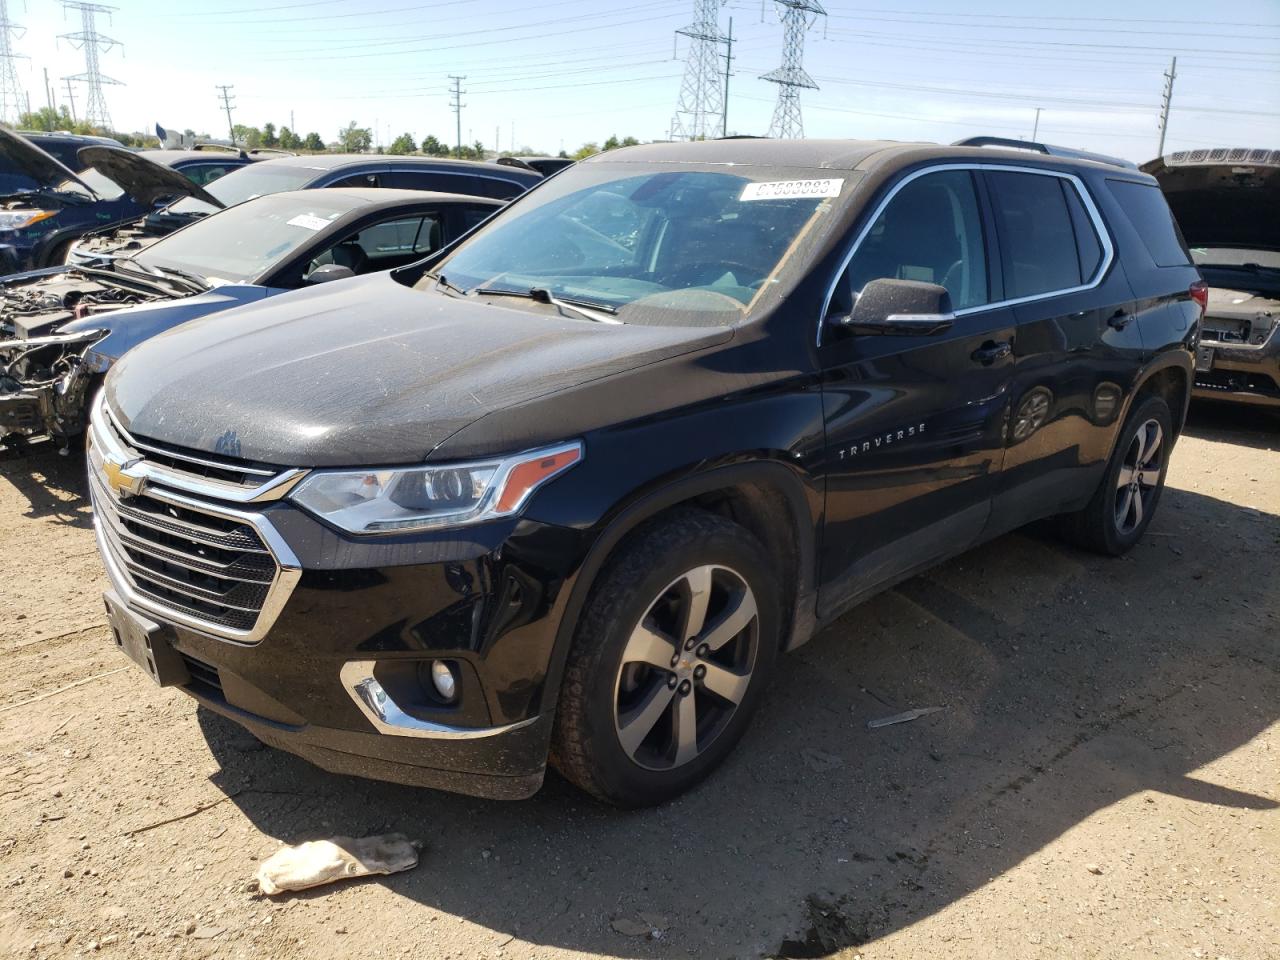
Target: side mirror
{"points": [[327, 272], [899, 308]]}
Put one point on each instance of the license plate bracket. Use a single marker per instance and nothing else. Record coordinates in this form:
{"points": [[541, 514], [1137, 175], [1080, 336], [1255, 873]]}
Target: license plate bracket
{"points": [[1204, 359], [145, 643]]}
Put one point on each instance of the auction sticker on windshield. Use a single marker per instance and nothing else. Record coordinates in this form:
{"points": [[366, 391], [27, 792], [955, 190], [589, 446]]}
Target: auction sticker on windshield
{"points": [[310, 221], [793, 189]]}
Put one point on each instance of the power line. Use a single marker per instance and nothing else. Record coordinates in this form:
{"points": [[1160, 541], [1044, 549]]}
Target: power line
{"points": [[797, 17], [92, 43], [10, 90], [701, 100]]}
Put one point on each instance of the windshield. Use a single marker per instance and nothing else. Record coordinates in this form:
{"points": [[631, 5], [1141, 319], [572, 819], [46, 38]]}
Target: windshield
{"points": [[664, 245], [253, 180], [241, 243]]}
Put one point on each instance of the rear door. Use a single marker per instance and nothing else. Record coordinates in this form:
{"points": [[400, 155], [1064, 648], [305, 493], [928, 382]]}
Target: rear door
{"points": [[1077, 349], [914, 424]]}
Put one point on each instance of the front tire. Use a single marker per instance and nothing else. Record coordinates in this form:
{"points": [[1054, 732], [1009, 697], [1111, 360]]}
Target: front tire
{"points": [[669, 660], [1122, 508]]}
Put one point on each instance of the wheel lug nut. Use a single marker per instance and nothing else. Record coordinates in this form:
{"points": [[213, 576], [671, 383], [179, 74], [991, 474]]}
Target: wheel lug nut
{"points": [[675, 661], [685, 687], [671, 683], [692, 642], [704, 651], [699, 672]]}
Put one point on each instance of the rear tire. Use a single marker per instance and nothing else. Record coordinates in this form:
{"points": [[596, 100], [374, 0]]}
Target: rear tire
{"points": [[1126, 499], [643, 716]]}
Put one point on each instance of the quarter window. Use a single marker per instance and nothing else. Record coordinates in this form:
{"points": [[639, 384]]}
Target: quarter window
{"points": [[1039, 253], [930, 231], [1147, 210]]}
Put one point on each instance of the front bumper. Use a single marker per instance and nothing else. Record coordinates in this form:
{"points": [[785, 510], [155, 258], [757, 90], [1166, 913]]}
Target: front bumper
{"points": [[338, 671], [1240, 372]]}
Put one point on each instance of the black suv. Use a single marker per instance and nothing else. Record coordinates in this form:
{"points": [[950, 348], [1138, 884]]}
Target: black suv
{"points": [[569, 487]]}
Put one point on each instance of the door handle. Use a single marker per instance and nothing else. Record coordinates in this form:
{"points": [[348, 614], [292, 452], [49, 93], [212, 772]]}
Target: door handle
{"points": [[990, 352], [1119, 320]]}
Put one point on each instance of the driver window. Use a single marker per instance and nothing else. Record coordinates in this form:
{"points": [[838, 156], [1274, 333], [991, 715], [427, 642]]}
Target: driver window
{"points": [[931, 231], [382, 246]]}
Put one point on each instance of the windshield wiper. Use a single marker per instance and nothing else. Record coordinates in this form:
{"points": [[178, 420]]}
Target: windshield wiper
{"points": [[599, 312], [190, 280], [441, 280]]}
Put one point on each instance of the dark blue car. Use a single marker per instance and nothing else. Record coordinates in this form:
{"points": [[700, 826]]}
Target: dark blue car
{"points": [[45, 206]]}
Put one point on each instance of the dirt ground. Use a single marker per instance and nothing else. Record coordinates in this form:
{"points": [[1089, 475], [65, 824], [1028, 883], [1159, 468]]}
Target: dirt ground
{"points": [[1103, 780]]}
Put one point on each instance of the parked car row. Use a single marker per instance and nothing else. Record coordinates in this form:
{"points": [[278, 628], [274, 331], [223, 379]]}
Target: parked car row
{"points": [[440, 505]]}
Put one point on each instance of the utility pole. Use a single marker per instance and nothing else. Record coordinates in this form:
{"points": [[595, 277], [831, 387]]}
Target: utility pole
{"points": [[456, 104], [1036, 127], [71, 98], [10, 92], [728, 66], [92, 43], [1166, 100], [48, 92], [227, 100]]}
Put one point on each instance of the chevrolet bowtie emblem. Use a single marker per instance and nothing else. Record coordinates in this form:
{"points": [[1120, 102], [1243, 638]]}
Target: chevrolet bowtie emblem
{"points": [[118, 478]]}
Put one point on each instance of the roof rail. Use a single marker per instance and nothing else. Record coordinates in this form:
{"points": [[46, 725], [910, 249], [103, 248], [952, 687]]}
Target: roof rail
{"points": [[263, 151], [224, 148], [1067, 153]]}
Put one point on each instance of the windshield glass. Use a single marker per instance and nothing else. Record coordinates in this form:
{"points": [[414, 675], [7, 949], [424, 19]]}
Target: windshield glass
{"points": [[664, 245], [240, 243], [253, 180]]}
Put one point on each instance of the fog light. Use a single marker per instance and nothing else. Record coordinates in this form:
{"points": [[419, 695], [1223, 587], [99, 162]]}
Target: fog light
{"points": [[444, 681]]}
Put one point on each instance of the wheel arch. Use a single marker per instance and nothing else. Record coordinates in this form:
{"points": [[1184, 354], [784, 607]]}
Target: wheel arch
{"points": [[1172, 381], [768, 498]]}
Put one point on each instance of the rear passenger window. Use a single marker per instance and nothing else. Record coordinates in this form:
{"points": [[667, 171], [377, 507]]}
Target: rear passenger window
{"points": [[1037, 239], [1088, 246], [358, 180], [930, 231], [1147, 210]]}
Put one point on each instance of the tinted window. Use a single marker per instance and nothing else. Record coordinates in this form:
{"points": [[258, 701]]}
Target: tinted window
{"points": [[1088, 246], [359, 180], [204, 173], [930, 231], [66, 153], [471, 217], [466, 184], [1146, 209], [1037, 241]]}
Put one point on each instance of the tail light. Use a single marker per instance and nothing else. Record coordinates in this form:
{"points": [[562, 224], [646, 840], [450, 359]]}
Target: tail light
{"points": [[1200, 294]]}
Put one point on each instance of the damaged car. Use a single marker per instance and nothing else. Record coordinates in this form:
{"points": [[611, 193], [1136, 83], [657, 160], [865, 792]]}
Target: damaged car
{"points": [[45, 207], [61, 331], [1225, 201], [267, 176]]}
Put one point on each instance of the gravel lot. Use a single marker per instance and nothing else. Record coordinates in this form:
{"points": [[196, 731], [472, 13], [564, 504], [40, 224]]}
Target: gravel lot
{"points": [[1104, 780]]}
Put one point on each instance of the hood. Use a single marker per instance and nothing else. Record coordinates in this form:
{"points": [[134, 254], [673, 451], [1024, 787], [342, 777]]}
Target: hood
{"points": [[365, 372], [1223, 198], [19, 154], [144, 180]]}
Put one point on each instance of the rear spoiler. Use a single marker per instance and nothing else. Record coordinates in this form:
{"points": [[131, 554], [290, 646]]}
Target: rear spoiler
{"points": [[221, 148], [1067, 153]]}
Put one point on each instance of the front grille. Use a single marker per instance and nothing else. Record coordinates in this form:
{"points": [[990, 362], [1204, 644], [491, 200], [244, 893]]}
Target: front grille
{"points": [[210, 567], [208, 466]]}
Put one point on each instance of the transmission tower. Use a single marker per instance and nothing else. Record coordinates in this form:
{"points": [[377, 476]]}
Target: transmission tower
{"points": [[11, 104], [700, 111], [797, 17], [91, 42]]}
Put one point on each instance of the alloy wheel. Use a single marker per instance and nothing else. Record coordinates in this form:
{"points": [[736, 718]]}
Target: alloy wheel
{"points": [[1139, 476], [686, 667]]}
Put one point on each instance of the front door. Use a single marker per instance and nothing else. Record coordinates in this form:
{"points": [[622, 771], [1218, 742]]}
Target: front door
{"points": [[914, 423]]}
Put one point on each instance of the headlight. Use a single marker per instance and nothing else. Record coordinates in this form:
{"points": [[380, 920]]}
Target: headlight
{"points": [[25, 218], [416, 498]]}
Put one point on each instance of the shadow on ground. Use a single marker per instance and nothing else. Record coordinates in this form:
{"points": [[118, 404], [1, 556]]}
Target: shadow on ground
{"points": [[1235, 423], [1069, 683], [54, 486]]}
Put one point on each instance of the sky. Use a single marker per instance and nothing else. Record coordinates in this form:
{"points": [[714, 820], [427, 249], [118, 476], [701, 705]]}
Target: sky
{"points": [[556, 74]]}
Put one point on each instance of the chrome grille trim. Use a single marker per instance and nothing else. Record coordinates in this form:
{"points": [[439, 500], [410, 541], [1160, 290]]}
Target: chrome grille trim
{"points": [[230, 583], [111, 437]]}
